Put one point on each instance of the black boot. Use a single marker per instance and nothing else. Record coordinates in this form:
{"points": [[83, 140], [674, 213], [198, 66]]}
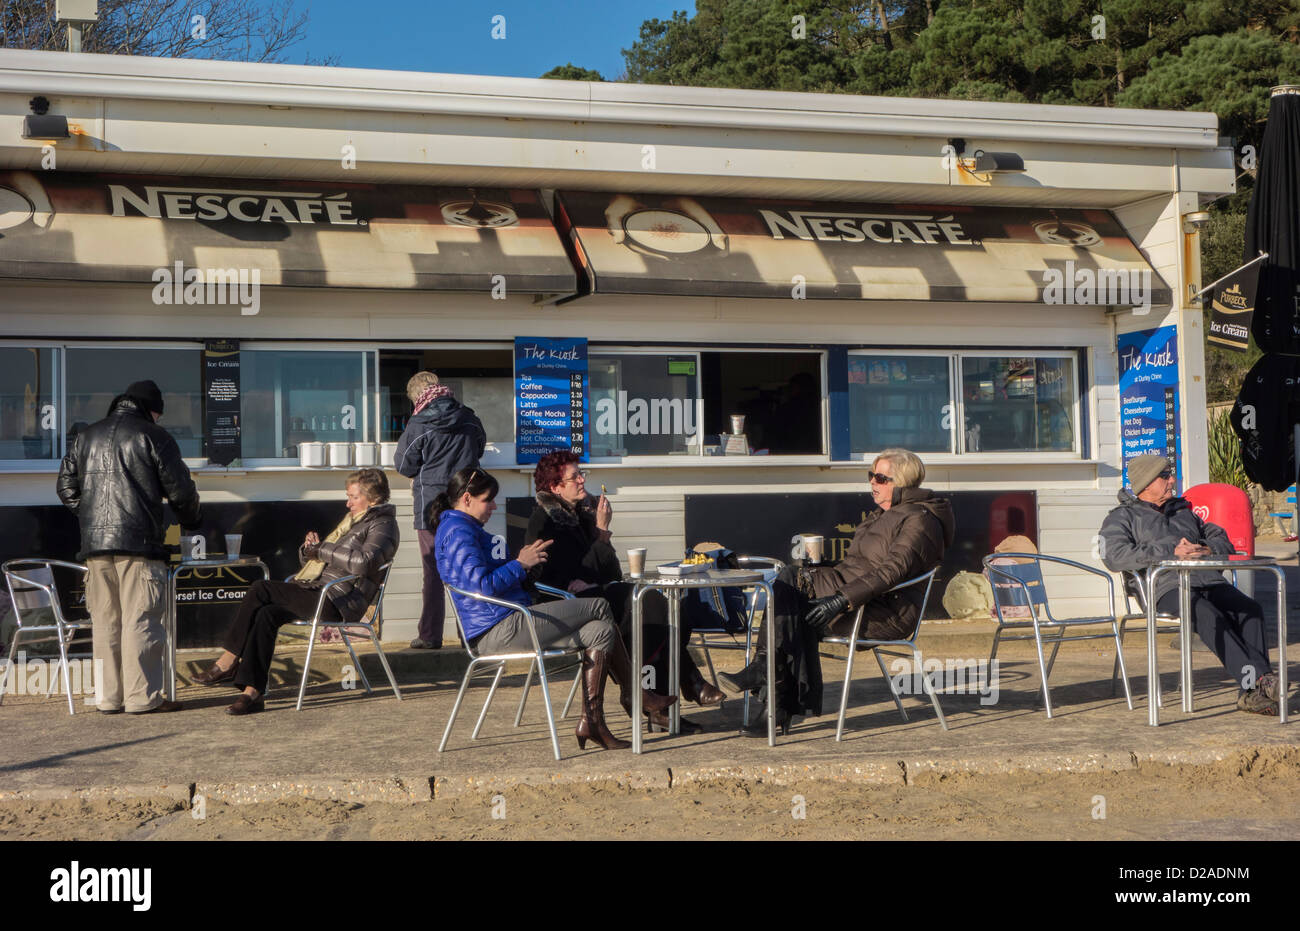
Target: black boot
{"points": [[749, 679]]}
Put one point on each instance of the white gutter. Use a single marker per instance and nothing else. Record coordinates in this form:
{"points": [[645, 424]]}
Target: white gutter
{"points": [[61, 74]]}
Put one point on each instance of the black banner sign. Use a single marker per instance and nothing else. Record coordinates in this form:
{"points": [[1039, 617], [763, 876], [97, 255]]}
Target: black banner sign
{"points": [[1233, 304], [221, 400]]}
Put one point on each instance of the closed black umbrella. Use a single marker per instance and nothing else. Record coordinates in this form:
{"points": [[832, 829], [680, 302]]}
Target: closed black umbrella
{"points": [[1267, 411]]}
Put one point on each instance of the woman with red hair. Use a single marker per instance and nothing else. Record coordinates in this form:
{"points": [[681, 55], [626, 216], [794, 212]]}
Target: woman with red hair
{"points": [[582, 560]]}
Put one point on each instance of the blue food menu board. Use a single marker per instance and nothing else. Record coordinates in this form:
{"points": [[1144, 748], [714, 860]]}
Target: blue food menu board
{"points": [[1148, 396], [550, 397]]}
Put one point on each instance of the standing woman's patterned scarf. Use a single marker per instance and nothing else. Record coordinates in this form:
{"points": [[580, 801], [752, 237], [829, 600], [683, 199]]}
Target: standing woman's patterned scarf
{"points": [[429, 395]]}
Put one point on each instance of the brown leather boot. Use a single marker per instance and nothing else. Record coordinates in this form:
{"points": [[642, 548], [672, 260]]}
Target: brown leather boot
{"points": [[695, 687], [591, 726], [620, 670]]}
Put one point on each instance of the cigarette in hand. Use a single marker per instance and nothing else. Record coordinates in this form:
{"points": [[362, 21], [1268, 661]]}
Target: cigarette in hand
{"points": [[602, 488]]}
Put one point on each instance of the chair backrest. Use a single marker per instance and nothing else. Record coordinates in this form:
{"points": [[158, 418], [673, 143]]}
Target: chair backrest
{"points": [[377, 621], [1017, 580], [475, 596], [1230, 508], [1135, 587], [33, 591], [926, 578]]}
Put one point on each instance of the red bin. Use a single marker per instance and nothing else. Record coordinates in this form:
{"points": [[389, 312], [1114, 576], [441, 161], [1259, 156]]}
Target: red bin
{"points": [[1229, 507]]}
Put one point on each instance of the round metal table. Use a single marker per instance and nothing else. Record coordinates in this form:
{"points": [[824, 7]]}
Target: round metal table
{"points": [[673, 588]]}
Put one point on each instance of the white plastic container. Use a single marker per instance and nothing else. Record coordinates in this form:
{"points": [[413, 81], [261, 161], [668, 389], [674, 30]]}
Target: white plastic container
{"points": [[311, 454], [388, 454], [340, 454], [365, 454]]}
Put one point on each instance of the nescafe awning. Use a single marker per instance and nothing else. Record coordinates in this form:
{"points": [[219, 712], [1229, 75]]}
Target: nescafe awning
{"points": [[714, 247], [307, 234]]}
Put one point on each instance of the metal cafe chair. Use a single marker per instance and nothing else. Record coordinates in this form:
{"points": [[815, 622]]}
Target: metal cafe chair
{"points": [[528, 681], [878, 647], [371, 627], [496, 662], [1020, 584], [32, 592]]}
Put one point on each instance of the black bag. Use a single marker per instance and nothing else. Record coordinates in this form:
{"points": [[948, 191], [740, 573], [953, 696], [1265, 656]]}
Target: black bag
{"points": [[717, 608]]}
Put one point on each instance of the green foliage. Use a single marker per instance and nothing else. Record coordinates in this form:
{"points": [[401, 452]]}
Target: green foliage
{"points": [[1225, 453], [572, 72]]}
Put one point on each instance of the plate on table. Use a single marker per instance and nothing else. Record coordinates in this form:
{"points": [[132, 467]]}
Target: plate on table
{"points": [[678, 569]]}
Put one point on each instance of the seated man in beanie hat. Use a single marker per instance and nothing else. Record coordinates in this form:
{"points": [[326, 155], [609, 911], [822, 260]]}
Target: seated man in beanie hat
{"points": [[114, 478], [1152, 524]]}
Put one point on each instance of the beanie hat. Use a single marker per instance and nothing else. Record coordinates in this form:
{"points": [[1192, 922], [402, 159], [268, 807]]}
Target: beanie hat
{"points": [[146, 394], [1142, 470]]}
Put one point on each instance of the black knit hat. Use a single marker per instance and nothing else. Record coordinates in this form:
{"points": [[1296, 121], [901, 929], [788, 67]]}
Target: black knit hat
{"points": [[146, 394]]}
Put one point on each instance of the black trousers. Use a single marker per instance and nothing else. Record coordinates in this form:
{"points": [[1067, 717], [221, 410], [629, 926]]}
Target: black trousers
{"points": [[268, 606], [1230, 624]]}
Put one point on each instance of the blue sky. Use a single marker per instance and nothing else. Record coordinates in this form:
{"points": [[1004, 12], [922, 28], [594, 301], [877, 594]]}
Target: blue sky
{"points": [[436, 35]]}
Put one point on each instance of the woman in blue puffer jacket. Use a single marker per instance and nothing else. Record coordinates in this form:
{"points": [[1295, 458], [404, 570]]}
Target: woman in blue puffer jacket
{"points": [[465, 561]]}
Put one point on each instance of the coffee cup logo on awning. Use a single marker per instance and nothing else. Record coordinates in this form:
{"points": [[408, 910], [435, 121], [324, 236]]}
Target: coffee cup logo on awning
{"points": [[890, 229], [242, 205], [236, 286], [1114, 287]]}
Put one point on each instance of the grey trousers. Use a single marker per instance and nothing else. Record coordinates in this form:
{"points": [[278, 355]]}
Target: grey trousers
{"points": [[584, 622]]}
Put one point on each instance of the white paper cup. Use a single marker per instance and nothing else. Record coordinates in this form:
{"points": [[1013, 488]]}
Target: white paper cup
{"points": [[232, 544], [636, 562], [737, 424], [812, 547]]}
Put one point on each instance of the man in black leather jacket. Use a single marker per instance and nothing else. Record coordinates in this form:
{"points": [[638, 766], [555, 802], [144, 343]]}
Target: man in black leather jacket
{"points": [[114, 478]]}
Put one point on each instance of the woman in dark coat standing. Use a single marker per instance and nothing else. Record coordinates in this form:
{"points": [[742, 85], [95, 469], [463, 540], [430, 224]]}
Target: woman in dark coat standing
{"points": [[904, 538], [582, 560]]}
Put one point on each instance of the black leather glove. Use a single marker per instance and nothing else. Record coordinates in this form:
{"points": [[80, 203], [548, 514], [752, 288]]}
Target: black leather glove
{"points": [[824, 610]]}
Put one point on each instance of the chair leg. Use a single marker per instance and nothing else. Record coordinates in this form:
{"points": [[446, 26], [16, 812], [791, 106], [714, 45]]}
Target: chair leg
{"points": [[63, 663], [383, 661], [929, 688], [10, 662], [1042, 669], [708, 658], [1119, 658], [523, 696], [1119, 641], [898, 702], [1051, 660], [749, 647], [492, 691], [997, 637], [455, 708], [356, 661], [848, 680], [573, 690], [306, 667], [546, 701]]}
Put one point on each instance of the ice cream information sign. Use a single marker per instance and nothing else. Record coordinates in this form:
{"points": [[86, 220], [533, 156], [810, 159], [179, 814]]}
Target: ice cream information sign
{"points": [[221, 399], [550, 397], [1148, 393]]}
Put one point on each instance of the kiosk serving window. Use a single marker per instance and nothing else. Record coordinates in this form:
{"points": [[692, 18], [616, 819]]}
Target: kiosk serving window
{"points": [[900, 400], [295, 396], [96, 375], [1018, 403], [681, 403], [479, 378], [28, 385]]}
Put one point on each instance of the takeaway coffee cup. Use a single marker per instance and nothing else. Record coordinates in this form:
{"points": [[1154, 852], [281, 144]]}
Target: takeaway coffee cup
{"points": [[636, 562], [232, 544], [737, 424], [812, 547]]}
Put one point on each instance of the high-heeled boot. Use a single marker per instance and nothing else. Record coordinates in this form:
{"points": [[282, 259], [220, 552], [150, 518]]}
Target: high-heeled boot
{"points": [[620, 670], [749, 679], [591, 726], [695, 687]]}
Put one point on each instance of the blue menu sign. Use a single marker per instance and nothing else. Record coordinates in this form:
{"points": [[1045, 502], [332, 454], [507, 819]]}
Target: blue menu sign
{"points": [[1148, 396], [550, 397]]}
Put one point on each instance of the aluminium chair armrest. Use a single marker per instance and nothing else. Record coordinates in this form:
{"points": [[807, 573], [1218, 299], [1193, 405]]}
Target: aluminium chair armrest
{"points": [[552, 590]]}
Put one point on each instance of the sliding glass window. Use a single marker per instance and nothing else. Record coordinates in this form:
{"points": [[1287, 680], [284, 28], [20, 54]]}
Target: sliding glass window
{"points": [[28, 411], [95, 376]]}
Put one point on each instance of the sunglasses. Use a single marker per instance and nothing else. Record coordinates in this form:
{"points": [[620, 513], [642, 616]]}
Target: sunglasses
{"points": [[1166, 474], [880, 478]]}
